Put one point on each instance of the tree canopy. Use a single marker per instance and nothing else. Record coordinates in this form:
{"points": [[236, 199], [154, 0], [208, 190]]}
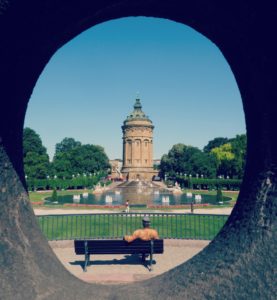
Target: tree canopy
{"points": [[35, 157], [216, 142], [188, 160], [231, 157], [220, 157], [67, 144], [72, 158]]}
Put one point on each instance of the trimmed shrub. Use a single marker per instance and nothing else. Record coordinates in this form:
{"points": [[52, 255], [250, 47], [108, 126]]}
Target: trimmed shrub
{"points": [[219, 197], [54, 197]]}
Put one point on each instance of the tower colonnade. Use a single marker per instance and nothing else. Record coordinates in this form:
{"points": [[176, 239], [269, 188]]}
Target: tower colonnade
{"points": [[138, 145]]}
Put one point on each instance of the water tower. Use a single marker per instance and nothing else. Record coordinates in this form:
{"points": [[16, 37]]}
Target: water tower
{"points": [[138, 145]]}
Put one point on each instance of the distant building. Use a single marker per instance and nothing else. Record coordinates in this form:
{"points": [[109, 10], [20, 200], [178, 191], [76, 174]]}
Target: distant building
{"points": [[138, 145], [156, 162]]}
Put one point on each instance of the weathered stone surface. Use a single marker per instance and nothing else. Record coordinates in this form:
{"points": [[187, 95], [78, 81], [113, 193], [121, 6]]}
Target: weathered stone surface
{"points": [[241, 262]]}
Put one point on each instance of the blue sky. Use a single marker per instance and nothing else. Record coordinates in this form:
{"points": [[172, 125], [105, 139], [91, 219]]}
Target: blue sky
{"points": [[89, 86]]}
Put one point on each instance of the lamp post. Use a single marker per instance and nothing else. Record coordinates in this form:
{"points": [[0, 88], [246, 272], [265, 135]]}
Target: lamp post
{"points": [[189, 184]]}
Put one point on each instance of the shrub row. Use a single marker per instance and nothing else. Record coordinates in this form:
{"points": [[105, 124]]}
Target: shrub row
{"points": [[209, 184], [60, 184]]}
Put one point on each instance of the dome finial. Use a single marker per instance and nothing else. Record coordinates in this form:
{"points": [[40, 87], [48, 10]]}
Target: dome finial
{"points": [[137, 105], [137, 113]]}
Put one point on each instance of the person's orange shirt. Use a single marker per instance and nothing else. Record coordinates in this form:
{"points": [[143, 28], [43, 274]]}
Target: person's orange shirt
{"points": [[145, 234]]}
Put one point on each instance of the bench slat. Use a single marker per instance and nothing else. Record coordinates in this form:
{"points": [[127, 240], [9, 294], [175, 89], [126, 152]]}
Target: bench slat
{"points": [[117, 246], [118, 251], [88, 247]]}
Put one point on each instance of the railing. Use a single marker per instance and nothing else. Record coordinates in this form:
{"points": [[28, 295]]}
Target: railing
{"points": [[116, 225]]}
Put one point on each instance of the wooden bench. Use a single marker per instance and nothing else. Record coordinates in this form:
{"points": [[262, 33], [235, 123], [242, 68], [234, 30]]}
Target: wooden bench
{"points": [[88, 247]]}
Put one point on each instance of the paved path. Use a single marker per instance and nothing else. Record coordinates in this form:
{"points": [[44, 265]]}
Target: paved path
{"points": [[115, 269], [60, 211]]}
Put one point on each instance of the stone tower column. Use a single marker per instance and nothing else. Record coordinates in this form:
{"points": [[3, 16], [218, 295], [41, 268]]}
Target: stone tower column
{"points": [[137, 132]]}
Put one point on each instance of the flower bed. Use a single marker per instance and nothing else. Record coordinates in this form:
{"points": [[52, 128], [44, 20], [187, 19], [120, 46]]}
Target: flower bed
{"points": [[92, 205], [179, 206], [38, 203]]}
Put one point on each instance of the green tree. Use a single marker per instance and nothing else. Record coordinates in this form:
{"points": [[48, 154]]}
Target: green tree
{"points": [[189, 160], [202, 164], [239, 147], [80, 159], [225, 159], [216, 142], [35, 157], [67, 144], [231, 157], [62, 165], [223, 152]]}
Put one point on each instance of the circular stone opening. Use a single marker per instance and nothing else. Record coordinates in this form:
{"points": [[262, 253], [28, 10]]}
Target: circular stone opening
{"points": [[142, 196], [252, 224]]}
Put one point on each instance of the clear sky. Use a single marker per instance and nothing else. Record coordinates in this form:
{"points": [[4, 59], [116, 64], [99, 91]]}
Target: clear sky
{"points": [[88, 88]]}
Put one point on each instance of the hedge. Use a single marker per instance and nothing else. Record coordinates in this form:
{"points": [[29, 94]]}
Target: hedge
{"points": [[74, 183], [209, 184]]}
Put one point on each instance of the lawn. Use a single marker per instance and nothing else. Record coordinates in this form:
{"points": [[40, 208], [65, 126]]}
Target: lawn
{"points": [[39, 196], [177, 226]]}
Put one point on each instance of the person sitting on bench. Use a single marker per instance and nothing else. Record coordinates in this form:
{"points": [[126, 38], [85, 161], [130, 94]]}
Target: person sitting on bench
{"points": [[145, 234]]}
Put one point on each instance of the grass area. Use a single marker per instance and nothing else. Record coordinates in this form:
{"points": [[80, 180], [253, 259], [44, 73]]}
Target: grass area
{"points": [[41, 195], [183, 226], [231, 194]]}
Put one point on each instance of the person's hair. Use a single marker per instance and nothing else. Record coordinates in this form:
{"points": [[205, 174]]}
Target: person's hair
{"points": [[145, 224]]}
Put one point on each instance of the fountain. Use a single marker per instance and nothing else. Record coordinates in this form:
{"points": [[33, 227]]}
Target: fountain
{"points": [[98, 189], [198, 198], [165, 199], [108, 199], [76, 199], [139, 193]]}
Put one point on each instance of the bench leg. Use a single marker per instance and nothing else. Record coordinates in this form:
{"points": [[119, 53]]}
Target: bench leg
{"points": [[151, 254], [86, 262], [143, 257], [151, 258]]}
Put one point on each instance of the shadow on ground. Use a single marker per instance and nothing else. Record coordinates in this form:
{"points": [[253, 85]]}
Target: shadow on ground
{"points": [[127, 260]]}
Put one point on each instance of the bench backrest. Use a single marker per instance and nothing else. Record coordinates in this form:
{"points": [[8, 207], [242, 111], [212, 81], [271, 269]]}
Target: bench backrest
{"points": [[118, 247]]}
